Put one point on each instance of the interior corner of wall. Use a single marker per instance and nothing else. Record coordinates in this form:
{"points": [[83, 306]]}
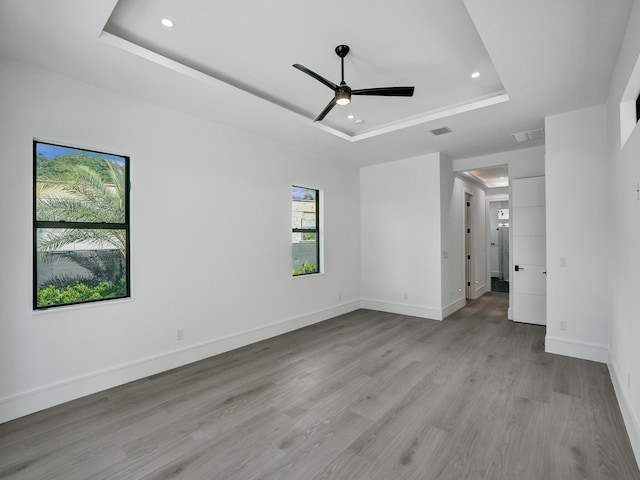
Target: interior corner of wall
{"points": [[629, 417]]}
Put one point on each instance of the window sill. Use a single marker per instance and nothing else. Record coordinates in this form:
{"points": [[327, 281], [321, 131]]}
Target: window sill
{"points": [[81, 306], [308, 275]]}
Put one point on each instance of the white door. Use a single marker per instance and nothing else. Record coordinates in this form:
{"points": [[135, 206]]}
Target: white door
{"points": [[528, 224]]}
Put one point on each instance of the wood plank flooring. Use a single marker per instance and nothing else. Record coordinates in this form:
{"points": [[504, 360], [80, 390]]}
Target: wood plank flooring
{"points": [[364, 396]]}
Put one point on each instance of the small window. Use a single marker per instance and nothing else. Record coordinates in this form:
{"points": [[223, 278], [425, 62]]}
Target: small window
{"points": [[80, 227], [305, 238]]}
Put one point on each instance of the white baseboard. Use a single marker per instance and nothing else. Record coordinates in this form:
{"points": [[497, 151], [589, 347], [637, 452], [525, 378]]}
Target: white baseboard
{"points": [[576, 349], [479, 291], [402, 309], [453, 307], [630, 419], [25, 403]]}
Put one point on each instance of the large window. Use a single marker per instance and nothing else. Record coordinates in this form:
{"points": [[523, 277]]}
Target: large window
{"points": [[80, 227], [305, 238]]}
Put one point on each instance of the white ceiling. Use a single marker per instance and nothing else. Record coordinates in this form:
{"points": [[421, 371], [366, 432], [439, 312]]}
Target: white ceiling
{"points": [[490, 177], [230, 62], [256, 51]]}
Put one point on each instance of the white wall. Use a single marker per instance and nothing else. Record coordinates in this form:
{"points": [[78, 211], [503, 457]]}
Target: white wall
{"points": [[400, 236], [412, 237], [623, 233], [577, 230], [451, 239], [203, 257], [480, 277]]}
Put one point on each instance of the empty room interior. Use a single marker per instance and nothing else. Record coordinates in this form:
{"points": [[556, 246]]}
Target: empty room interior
{"points": [[347, 240]]}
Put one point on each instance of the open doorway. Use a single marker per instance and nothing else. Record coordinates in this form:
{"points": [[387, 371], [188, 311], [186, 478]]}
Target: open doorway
{"points": [[499, 245], [495, 181]]}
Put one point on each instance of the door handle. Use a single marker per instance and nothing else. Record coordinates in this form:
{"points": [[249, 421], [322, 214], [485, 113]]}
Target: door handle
{"points": [[518, 268]]}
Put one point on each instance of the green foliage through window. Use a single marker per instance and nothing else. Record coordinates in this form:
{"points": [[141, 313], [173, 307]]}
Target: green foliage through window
{"points": [[306, 268], [79, 292]]}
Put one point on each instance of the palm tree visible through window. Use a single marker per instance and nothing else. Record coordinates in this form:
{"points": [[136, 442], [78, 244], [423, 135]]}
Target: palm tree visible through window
{"points": [[81, 227]]}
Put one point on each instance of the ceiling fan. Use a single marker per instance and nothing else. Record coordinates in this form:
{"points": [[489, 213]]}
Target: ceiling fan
{"points": [[343, 91]]}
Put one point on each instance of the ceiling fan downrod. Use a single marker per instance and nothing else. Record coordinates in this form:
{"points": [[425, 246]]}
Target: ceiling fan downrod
{"points": [[341, 51]]}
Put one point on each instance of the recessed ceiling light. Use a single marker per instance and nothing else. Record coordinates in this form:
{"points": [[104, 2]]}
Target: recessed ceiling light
{"points": [[167, 22], [359, 121], [475, 74], [349, 117]]}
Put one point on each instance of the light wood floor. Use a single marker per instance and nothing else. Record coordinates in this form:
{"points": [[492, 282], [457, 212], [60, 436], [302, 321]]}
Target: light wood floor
{"points": [[364, 396]]}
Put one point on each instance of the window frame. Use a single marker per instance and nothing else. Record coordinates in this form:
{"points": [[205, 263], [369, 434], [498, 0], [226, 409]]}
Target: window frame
{"points": [[43, 224], [310, 230]]}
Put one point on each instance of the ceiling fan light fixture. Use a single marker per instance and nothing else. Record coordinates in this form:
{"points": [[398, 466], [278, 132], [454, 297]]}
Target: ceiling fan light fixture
{"points": [[343, 95]]}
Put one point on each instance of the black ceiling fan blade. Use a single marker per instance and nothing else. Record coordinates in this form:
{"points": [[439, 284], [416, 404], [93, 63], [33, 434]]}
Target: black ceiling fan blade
{"points": [[326, 110], [313, 74], [385, 91]]}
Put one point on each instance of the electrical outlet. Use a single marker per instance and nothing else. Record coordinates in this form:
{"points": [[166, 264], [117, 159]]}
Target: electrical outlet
{"points": [[406, 296], [180, 335], [563, 324], [563, 261]]}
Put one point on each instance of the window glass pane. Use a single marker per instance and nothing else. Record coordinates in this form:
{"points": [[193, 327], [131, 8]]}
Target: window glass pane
{"points": [[76, 185], [79, 265], [304, 214], [305, 253], [304, 208]]}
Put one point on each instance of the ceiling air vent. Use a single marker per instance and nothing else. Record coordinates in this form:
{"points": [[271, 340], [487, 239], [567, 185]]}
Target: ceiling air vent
{"points": [[528, 135], [441, 130]]}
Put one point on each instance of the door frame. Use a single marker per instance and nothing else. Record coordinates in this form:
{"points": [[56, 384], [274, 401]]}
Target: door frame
{"points": [[467, 250], [499, 197]]}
